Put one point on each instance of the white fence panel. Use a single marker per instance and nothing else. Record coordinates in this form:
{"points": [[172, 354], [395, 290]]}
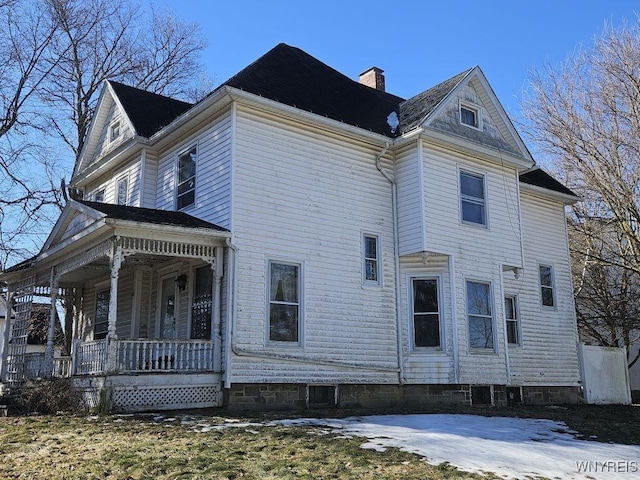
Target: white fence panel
{"points": [[605, 377]]}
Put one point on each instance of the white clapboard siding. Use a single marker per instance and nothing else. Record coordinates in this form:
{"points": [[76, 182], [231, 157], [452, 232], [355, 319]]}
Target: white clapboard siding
{"points": [[426, 366], [548, 354], [302, 197], [130, 170], [498, 243], [213, 177], [411, 218], [149, 179]]}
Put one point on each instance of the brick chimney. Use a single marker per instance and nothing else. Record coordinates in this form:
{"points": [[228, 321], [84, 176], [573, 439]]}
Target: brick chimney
{"points": [[373, 77]]}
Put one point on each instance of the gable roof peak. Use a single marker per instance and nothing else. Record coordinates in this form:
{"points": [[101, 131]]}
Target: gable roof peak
{"points": [[147, 111]]}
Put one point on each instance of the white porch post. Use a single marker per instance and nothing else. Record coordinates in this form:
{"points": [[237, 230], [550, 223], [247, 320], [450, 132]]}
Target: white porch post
{"points": [[48, 353], [116, 263], [216, 332], [5, 335]]}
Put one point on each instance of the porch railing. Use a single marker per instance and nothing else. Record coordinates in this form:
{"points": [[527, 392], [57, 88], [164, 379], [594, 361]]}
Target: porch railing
{"points": [[140, 356], [62, 367], [90, 357], [143, 356]]}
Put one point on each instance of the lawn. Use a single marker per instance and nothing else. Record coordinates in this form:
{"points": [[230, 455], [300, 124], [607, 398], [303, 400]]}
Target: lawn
{"points": [[161, 447]]}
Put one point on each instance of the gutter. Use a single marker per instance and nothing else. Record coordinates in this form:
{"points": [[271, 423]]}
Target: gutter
{"points": [[394, 203]]}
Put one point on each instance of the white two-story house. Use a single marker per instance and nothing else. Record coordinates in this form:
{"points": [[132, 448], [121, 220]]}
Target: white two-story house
{"points": [[298, 238]]}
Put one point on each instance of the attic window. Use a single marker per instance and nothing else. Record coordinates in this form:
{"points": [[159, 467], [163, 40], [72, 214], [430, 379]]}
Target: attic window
{"points": [[470, 116], [114, 131]]}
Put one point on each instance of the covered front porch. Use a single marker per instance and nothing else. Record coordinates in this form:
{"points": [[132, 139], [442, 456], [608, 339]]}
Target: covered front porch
{"points": [[141, 292]]}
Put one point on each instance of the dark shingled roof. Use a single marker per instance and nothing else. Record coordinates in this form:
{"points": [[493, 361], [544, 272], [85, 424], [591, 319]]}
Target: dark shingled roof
{"points": [[414, 110], [148, 111], [540, 178], [291, 76], [150, 215]]}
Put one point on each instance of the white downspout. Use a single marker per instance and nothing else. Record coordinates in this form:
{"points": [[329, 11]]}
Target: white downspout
{"points": [[505, 329], [394, 197], [232, 283], [454, 319]]}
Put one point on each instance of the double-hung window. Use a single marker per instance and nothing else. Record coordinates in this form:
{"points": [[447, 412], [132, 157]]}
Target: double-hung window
{"points": [[479, 313], [186, 194], [284, 302], [546, 285], [371, 258], [511, 315], [472, 198], [123, 190], [426, 313]]}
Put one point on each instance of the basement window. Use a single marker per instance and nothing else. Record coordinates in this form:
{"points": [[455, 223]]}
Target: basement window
{"points": [[481, 395], [321, 396]]}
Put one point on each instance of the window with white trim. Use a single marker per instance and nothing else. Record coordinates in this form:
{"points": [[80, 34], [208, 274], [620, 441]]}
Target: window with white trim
{"points": [[480, 316], [186, 191], [470, 115], [426, 312], [122, 189], [98, 196], [371, 258], [101, 322], [284, 302], [511, 316], [546, 285], [114, 131], [472, 198]]}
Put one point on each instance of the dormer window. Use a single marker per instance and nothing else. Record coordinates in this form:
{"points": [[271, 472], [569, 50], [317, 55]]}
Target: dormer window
{"points": [[470, 116], [114, 131]]}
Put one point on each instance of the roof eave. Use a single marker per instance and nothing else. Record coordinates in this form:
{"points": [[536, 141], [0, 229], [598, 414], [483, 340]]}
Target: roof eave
{"points": [[122, 226], [485, 152], [250, 99], [559, 196]]}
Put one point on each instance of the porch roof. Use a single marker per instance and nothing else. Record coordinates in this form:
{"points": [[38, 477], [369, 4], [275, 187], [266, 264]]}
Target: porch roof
{"points": [[151, 215], [107, 222]]}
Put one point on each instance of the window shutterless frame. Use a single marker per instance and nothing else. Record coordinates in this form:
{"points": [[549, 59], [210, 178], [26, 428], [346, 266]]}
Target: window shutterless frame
{"points": [[284, 303], [122, 190], [425, 312], [186, 173], [473, 195], [470, 115], [547, 286], [371, 259], [512, 317], [480, 317]]}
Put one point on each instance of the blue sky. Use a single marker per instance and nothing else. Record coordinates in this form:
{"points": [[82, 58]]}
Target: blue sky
{"points": [[417, 43]]}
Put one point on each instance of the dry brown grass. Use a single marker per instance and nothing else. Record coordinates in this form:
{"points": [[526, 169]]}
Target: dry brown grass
{"points": [[63, 447], [139, 447]]}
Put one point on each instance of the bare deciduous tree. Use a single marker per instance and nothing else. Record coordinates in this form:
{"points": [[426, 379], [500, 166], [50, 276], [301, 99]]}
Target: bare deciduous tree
{"points": [[584, 115], [117, 40], [54, 57]]}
